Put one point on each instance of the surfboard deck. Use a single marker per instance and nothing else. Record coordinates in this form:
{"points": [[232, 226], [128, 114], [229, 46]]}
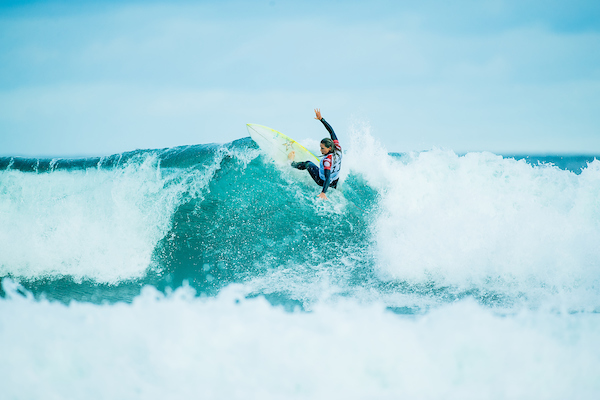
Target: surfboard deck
{"points": [[278, 146]]}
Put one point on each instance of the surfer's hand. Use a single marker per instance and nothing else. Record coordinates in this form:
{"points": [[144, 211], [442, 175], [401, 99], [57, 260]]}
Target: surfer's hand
{"points": [[322, 196], [318, 114]]}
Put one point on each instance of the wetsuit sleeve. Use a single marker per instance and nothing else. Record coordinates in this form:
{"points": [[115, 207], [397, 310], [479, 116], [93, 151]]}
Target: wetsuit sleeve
{"points": [[327, 180], [329, 129]]}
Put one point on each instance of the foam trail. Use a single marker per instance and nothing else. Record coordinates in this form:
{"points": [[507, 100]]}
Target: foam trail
{"points": [[229, 347]]}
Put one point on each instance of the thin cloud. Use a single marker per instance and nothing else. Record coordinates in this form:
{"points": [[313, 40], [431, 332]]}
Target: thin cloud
{"points": [[111, 77]]}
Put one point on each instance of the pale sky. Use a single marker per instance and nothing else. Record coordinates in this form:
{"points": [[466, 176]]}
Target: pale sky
{"points": [[82, 78]]}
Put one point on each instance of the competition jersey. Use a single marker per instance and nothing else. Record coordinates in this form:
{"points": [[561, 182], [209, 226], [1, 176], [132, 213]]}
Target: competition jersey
{"points": [[332, 162]]}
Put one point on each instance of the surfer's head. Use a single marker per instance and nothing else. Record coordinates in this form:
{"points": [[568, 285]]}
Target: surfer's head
{"points": [[327, 146]]}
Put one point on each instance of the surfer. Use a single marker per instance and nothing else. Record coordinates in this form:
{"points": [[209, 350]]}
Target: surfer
{"points": [[328, 171]]}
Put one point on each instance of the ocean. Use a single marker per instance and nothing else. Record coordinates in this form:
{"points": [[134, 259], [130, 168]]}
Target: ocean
{"points": [[209, 272]]}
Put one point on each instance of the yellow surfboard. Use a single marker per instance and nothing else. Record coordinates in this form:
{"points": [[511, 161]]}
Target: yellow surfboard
{"points": [[278, 146]]}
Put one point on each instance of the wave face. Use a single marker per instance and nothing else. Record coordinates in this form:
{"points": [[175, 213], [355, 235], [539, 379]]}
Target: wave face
{"points": [[433, 226], [493, 262]]}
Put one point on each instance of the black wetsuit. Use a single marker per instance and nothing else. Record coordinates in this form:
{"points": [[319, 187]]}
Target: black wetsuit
{"points": [[313, 169]]}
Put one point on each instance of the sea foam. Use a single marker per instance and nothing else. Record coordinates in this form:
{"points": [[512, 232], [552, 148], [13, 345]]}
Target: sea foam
{"points": [[483, 221], [229, 347], [100, 224]]}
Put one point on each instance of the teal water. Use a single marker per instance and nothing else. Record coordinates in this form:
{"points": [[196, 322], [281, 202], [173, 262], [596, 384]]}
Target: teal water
{"points": [[425, 267], [234, 218]]}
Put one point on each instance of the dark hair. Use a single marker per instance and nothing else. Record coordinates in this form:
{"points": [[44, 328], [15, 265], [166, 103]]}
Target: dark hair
{"points": [[327, 142]]}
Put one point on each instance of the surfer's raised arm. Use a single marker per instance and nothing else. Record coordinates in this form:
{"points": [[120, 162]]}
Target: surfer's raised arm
{"points": [[327, 173], [327, 126]]}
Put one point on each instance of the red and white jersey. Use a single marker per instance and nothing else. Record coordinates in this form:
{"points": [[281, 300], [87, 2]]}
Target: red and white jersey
{"points": [[332, 162]]}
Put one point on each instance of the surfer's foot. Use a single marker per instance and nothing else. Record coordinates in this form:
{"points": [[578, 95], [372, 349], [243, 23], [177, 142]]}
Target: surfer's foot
{"points": [[291, 156]]}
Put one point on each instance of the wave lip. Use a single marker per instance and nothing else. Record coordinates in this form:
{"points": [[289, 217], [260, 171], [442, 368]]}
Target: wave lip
{"points": [[100, 224]]}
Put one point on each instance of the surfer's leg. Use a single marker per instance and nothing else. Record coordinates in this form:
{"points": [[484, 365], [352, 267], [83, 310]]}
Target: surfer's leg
{"points": [[300, 165], [313, 170], [334, 183]]}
